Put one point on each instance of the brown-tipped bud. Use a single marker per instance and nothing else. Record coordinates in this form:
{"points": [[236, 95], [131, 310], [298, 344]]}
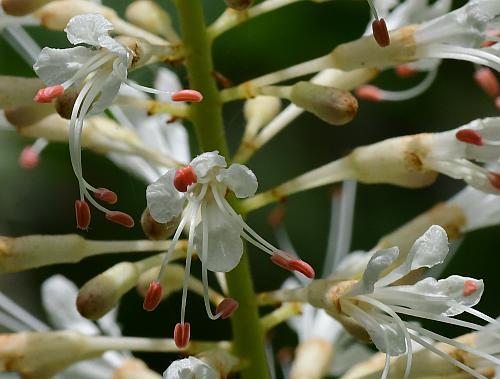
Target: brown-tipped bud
{"points": [[22, 7], [157, 231], [64, 103], [28, 114], [332, 105], [239, 5], [151, 17], [25, 91], [135, 369], [56, 14]]}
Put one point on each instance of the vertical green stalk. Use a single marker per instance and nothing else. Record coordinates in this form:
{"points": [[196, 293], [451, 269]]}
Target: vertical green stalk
{"points": [[248, 338]]}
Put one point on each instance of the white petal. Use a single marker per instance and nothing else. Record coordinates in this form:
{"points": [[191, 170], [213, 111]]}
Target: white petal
{"points": [[225, 247], [166, 80], [240, 179], [190, 368], [164, 201], [114, 46], [59, 300], [352, 266], [108, 94], [205, 162], [88, 28], [54, 66], [378, 263], [428, 250]]}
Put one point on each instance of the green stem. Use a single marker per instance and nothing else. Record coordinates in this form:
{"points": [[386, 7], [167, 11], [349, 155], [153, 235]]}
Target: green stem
{"points": [[207, 120]]}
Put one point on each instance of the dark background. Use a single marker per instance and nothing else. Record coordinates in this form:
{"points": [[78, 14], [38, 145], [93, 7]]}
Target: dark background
{"points": [[40, 201]]}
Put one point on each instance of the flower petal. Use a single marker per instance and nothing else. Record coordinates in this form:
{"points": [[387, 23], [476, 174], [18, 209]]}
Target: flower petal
{"points": [[88, 28], [55, 66], [108, 94], [164, 201], [190, 368], [225, 247], [205, 162], [240, 179]]}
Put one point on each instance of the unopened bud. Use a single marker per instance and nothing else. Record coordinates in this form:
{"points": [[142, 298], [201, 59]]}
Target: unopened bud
{"points": [[313, 359], [334, 106], [21, 7], [220, 360], [135, 369], [182, 334], [157, 231], [150, 16], [239, 5], [27, 115], [259, 111], [25, 90]]}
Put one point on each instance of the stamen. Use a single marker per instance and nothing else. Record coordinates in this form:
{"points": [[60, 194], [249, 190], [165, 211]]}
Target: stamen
{"points": [[120, 218], [487, 80], [187, 95], [82, 212], [497, 102], [470, 136], [227, 307], [153, 296], [29, 158], [47, 94], [370, 93], [404, 71], [184, 177], [105, 195], [182, 333], [276, 216], [286, 261], [380, 32], [494, 179], [469, 287]]}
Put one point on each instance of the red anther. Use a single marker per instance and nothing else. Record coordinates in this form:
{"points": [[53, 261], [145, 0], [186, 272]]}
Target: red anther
{"points": [[29, 158], [497, 103], [286, 261], [370, 93], [487, 43], [404, 71], [120, 218], [487, 80], [469, 287], [276, 216], [227, 307], [106, 195], [153, 296], [494, 179], [380, 32], [182, 333], [47, 94], [82, 212], [187, 95], [184, 177], [470, 136]]}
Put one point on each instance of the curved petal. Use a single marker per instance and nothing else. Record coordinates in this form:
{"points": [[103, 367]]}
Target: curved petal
{"points": [[190, 368], [240, 179], [205, 162], [352, 266], [88, 28], [107, 95], [225, 247], [164, 201], [55, 66]]}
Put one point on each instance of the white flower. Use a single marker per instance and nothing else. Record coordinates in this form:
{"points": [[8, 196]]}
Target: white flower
{"points": [[451, 153], [190, 368]]}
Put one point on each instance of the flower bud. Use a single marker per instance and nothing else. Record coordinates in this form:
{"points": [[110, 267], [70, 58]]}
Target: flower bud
{"points": [[135, 369], [239, 5], [151, 17], [21, 7], [157, 231], [334, 106], [259, 111], [26, 89], [312, 359], [65, 102], [28, 114]]}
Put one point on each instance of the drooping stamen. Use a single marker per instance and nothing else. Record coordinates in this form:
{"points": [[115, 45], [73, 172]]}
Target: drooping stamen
{"points": [[494, 179], [370, 93], [405, 71], [187, 95], [153, 296], [47, 94], [227, 307], [82, 212], [469, 287], [105, 195], [120, 218], [380, 32], [487, 80], [286, 261], [184, 177], [182, 334], [470, 136]]}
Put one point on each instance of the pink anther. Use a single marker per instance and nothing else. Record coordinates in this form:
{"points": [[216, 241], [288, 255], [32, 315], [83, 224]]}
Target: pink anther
{"points": [[120, 218], [494, 179], [286, 261], [470, 287], [187, 95], [404, 71], [469, 136], [227, 307], [29, 158], [47, 94], [106, 195], [153, 296], [370, 93], [487, 80], [82, 212], [380, 32], [184, 177], [182, 334]]}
